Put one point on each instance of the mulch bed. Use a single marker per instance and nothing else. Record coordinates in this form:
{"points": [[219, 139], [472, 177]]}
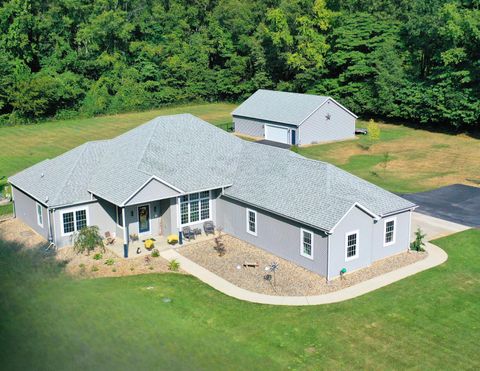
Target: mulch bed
{"points": [[290, 279]]}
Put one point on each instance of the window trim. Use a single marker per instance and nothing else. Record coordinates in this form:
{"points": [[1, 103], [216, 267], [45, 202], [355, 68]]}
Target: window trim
{"points": [[394, 219], [357, 249], [247, 220], [41, 214], [302, 238], [74, 211], [200, 220]]}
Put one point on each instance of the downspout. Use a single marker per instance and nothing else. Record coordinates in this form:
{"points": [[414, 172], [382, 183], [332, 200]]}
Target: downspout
{"points": [[328, 257], [125, 234], [49, 226], [13, 202], [54, 230]]}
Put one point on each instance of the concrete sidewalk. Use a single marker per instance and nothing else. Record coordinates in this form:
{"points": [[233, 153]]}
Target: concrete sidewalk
{"points": [[436, 256], [433, 227]]}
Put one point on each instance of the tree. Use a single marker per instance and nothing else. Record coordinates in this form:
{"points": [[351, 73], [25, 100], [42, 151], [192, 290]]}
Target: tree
{"points": [[87, 239], [373, 131]]}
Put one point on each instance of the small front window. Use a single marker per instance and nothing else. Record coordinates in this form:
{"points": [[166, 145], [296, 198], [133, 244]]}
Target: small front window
{"points": [[351, 245], [389, 232], [252, 222], [40, 215], [307, 244], [74, 221], [81, 218], [68, 223]]}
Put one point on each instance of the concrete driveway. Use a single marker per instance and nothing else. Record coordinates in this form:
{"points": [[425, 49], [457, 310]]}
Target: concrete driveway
{"points": [[456, 203], [274, 144], [434, 227]]}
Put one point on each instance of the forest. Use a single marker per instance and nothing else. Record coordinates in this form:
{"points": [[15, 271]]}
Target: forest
{"points": [[409, 60]]}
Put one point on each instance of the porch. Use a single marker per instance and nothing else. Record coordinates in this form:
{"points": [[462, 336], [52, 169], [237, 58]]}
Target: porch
{"points": [[137, 248]]}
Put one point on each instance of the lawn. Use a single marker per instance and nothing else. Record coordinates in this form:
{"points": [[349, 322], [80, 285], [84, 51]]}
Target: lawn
{"points": [[50, 321], [417, 160], [26, 145]]}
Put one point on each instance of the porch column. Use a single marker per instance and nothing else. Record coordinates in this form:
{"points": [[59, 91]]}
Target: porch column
{"points": [[125, 234]]}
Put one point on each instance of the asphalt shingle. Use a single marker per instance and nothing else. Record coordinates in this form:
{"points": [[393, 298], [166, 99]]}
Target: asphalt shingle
{"points": [[191, 155], [278, 106]]}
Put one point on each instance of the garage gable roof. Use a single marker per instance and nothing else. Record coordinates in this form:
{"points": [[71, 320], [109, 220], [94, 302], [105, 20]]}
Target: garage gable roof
{"points": [[282, 107]]}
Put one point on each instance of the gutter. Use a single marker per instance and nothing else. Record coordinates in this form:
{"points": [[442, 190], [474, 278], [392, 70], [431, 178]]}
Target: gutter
{"points": [[279, 214]]}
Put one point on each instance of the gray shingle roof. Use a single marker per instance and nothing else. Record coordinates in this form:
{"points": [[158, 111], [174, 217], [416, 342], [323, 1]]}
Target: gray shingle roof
{"points": [[310, 191], [192, 155], [278, 106]]}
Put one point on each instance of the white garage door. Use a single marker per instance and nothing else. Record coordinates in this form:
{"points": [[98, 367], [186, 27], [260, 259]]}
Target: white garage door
{"points": [[276, 134]]}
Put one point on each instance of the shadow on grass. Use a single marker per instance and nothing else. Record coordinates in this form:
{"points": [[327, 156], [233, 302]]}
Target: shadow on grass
{"points": [[18, 262]]}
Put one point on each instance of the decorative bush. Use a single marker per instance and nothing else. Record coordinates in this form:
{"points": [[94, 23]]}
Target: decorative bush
{"points": [[155, 253], [94, 268], [418, 244], [87, 239], [97, 256], [109, 262], [173, 265]]}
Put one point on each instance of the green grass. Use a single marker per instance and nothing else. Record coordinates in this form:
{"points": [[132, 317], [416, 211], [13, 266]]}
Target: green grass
{"points": [[419, 160], [29, 144], [50, 321]]}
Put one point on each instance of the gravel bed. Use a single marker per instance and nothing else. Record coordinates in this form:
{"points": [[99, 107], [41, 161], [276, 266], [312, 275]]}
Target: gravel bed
{"points": [[290, 279], [83, 265]]}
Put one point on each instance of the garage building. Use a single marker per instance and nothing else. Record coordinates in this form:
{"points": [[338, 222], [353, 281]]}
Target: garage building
{"points": [[293, 118]]}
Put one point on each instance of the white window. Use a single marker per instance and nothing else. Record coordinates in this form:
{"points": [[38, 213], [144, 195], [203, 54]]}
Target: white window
{"points": [[389, 232], [306, 244], [40, 215], [194, 207], [252, 222], [351, 245], [73, 221]]}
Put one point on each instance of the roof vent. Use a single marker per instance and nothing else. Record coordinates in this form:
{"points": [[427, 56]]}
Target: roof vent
{"points": [[41, 175], [46, 199]]}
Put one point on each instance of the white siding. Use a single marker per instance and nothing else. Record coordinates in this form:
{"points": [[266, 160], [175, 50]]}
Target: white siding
{"points": [[317, 128], [250, 127]]}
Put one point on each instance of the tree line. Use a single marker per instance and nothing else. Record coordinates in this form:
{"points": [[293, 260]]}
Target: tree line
{"points": [[417, 61]]}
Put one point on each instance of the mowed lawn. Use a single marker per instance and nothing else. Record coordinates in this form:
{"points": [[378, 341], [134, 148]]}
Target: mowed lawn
{"points": [[405, 160], [23, 146], [50, 321]]}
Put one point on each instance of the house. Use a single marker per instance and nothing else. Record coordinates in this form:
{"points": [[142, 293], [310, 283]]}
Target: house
{"points": [[292, 118], [177, 171]]}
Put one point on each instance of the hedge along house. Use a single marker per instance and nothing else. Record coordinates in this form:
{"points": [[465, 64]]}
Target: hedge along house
{"points": [[179, 170], [292, 118]]}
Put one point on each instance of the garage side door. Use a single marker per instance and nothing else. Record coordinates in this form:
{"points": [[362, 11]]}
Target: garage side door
{"points": [[276, 134]]}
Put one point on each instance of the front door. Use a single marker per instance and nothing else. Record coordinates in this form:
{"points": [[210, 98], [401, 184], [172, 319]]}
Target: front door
{"points": [[143, 219]]}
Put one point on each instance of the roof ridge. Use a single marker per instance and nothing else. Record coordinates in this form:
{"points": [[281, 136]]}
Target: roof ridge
{"points": [[154, 129], [85, 145]]}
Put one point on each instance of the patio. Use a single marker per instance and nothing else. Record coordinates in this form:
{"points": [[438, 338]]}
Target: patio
{"points": [[137, 248]]}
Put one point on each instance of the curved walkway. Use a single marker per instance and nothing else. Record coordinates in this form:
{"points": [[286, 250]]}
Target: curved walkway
{"points": [[436, 256], [431, 226]]}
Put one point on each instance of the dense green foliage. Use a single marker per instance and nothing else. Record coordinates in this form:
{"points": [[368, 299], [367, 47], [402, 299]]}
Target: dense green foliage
{"points": [[49, 321], [412, 60]]}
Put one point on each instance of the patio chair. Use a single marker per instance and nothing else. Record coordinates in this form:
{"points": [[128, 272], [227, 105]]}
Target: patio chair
{"points": [[209, 227], [109, 239], [188, 233]]}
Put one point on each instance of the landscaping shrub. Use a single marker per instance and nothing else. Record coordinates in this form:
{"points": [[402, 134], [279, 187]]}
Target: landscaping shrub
{"points": [[155, 253], [418, 244], [173, 265], [109, 261], [97, 256], [87, 240]]}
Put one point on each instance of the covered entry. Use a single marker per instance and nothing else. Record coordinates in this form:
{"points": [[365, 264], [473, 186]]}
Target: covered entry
{"points": [[276, 133]]}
